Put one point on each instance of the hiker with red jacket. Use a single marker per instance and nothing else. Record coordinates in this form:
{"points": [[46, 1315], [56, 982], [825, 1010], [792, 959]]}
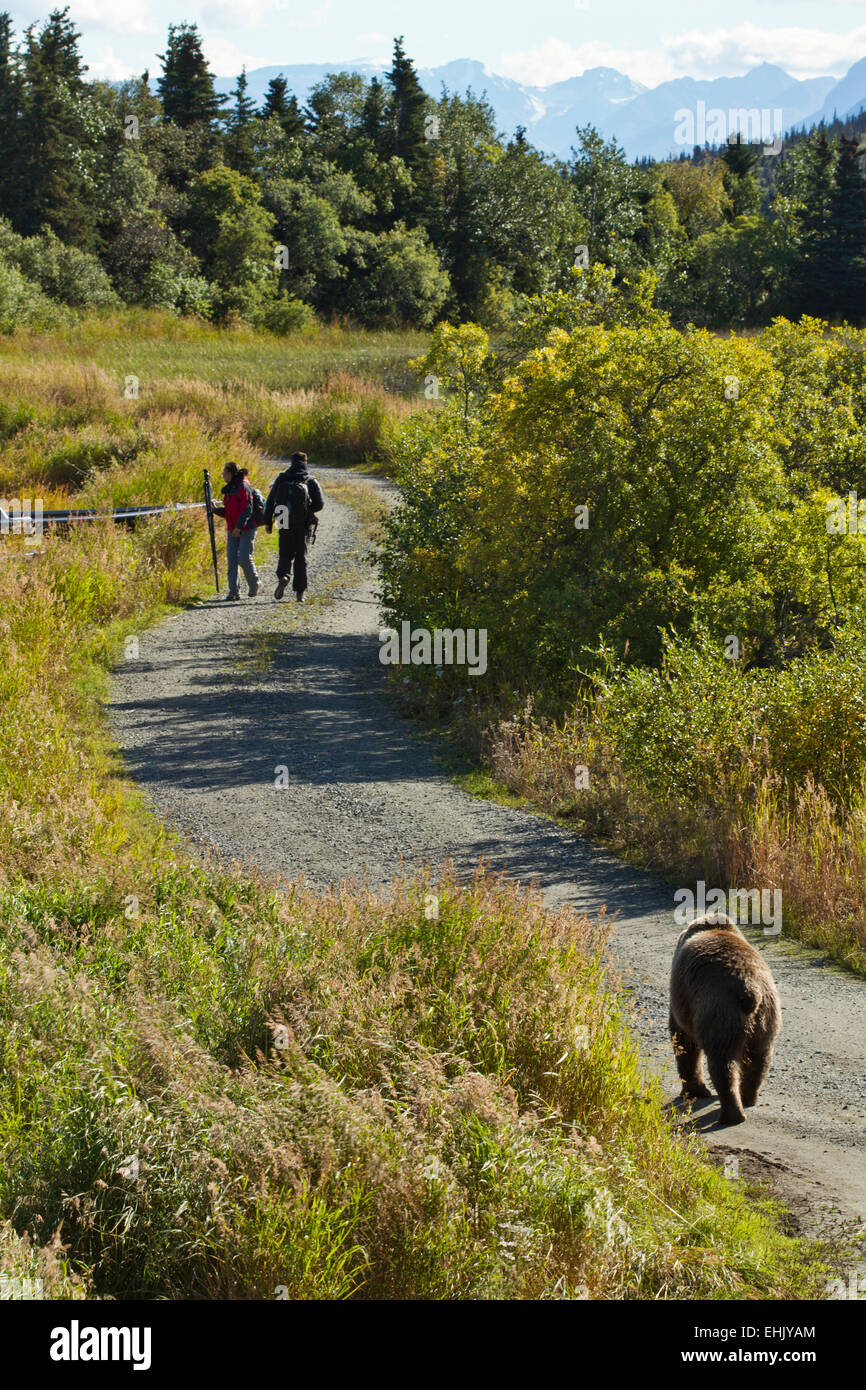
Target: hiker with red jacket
{"points": [[238, 510], [293, 502]]}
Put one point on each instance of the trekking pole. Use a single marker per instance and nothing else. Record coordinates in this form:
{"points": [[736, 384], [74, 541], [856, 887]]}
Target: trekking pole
{"points": [[208, 502]]}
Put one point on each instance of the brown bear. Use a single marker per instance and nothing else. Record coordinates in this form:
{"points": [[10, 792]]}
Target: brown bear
{"points": [[723, 1002]]}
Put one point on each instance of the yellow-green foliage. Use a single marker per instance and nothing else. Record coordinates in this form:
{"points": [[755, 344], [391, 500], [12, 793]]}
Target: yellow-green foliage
{"points": [[654, 529], [629, 479]]}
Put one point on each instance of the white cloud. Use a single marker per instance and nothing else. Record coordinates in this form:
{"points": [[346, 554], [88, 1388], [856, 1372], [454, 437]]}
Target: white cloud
{"points": [[109, 68], [226, 60], [250, 14], [802, 52], [557, 59], [106, 14], [719, 52]]}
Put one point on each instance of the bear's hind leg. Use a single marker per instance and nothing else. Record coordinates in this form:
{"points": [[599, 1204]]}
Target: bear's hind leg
{"points": [[689, 1063], [725, 1074], [756, 1064]]}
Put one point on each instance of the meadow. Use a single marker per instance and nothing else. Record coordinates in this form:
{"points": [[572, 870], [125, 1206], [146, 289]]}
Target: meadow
{"points": [[214, 1085]]}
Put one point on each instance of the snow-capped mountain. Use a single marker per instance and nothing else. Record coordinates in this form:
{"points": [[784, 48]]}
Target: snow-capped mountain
{"points": [[656, 121]]}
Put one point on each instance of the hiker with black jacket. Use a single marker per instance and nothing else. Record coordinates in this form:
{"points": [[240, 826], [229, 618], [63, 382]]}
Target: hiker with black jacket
{"points": [[293, 502]]}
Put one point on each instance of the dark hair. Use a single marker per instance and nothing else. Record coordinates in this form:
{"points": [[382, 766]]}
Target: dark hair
{"points": [[234, 470], [299, 458]]}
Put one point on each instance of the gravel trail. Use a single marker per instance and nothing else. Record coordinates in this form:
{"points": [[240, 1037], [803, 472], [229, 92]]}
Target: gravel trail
{"points": [[225, 695]]}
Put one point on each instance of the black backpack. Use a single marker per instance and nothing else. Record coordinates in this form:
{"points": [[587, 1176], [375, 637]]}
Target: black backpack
{"points": [[258, 517], [299, 505]]}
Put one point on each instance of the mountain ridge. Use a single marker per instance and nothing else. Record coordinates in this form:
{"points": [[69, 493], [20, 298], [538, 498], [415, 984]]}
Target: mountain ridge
{"points": [[642, 119]]}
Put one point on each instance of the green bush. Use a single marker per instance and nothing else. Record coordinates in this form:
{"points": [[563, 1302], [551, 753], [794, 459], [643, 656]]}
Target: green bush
{"points": [[65, 273], [285, 315], [23, 305], [623, 480], [399, 279], [166, 287], [705, 726]]}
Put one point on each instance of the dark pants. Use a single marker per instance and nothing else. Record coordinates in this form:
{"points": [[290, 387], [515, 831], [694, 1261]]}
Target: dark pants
{"points": [[293, 548]]}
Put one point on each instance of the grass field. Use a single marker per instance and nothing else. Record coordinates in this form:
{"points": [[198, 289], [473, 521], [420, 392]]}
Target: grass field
{"points": [[152, 345]]}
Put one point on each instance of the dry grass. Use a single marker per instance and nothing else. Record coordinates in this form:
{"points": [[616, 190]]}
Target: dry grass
{"points": [[756, 832], [68, 428]]}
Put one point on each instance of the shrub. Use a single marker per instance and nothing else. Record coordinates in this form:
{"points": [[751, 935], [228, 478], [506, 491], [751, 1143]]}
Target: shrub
{"points": [[65, 273], [23, 305], [285, 315], [167, 287]]}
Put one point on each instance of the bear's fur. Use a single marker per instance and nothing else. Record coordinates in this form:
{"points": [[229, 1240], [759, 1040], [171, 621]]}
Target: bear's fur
{"points": [[723, 1002]]}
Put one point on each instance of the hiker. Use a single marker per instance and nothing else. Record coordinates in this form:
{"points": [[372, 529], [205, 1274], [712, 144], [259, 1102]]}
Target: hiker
{"points": [[293, 501], [238, 510]]}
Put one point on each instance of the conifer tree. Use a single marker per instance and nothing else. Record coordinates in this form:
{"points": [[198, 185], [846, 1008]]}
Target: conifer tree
{"points": [[375, 119], [53, 133], [11, 99], [239, 127], [815, 279], [186, 85], [282, 105], [741, 182], [848, 220], [409, 140]]}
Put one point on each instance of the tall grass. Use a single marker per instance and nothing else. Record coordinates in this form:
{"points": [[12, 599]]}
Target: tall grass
{"points": [[69, 428], [154, 344], [752, 829]]}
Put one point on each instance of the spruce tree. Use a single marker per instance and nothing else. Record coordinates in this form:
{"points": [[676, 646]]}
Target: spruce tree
{"points": [[375, 119], [240, 152], [848, 221], [408, 110], [11, 100], [186, 85], [53, 131], [741, 182], [276, 102], [815, 281], [282, 105]]}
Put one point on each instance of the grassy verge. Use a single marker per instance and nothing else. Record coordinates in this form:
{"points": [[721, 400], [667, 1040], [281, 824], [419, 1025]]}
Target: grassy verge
{"points": [[743, 828], [803, 843]]}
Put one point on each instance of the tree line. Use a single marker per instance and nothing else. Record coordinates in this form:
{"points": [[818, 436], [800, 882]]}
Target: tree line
{"points": [[380, 204]]}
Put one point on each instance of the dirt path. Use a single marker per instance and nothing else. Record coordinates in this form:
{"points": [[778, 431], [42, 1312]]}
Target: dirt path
{"points": [[213, 709]]}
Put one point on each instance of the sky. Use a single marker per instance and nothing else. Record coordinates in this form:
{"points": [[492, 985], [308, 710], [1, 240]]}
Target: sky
{"points": [[538, 43]]}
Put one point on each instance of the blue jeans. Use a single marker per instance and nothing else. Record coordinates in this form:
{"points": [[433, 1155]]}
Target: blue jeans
{"points": [[239, 551]]}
